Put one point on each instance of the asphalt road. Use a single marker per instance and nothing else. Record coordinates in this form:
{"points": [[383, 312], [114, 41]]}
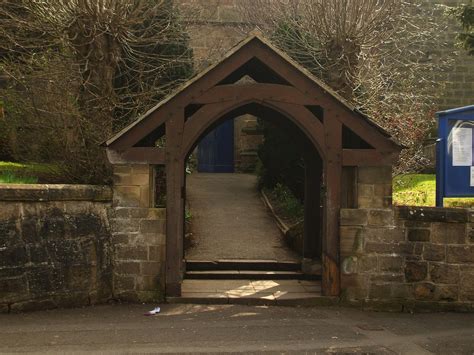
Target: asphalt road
{"points": [[234, 329]]}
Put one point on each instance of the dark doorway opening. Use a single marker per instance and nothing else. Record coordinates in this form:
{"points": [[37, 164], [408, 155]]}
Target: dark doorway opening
{"points": [[216, 150], [230, 228]]}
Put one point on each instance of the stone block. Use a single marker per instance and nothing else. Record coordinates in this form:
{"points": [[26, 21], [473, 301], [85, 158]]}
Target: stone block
{"points": [[9, 234], [124, 238], [151, 268], [417, 224], [402, 291], [145, 197], [9, 210], [418, 235], [122, 169], [448, 293], [15, 286], [390, 263], [139, 212], [151, 226], [354, 286], [387, 277], [421, 214], [141, 169], [153, 238], [32, 305], [374, 174], [353, 217], [122, 180], [381, 217], [460, 254], [416, 271], [382, 234], [367, 263], [470, 234], [383, 189], [124, 225], [380, 290], [14, 256], [127, 268], [124, 282], [448, 233], [126, 196], [132, 252], [157, 213], [156, 253], [351, 240], [147, 283], [366, 190], [140, 179], [389, 248], [457, 215], [434, 252], [122, 212], [387, 201], [424, 291], [444, 273], [466, 285]]}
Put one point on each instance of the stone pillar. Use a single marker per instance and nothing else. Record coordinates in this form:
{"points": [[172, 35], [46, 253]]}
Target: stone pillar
{"points": [[374, 186], [138, 235]]}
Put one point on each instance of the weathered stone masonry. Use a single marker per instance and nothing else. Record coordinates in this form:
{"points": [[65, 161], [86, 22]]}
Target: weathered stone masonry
{"points": [[408, 257], [55, 247], [138, 233]]}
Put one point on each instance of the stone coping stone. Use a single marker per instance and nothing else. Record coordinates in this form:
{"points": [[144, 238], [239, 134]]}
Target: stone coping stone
{"points": [[434, 214], [55, 192]]}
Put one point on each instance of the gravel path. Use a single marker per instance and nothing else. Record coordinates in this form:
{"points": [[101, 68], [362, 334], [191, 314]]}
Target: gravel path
{"points": [[230, 221]]}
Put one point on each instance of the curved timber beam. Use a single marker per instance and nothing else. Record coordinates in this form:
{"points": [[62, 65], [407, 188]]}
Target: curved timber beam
{"points": [[198, 123]]}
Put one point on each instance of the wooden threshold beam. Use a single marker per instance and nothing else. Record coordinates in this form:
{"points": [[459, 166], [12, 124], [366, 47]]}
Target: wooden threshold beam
{"points": [[137, 155], [367, 157]]}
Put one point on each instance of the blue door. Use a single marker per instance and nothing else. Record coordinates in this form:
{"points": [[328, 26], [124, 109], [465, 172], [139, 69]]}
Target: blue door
{"points": [[216, 150]]}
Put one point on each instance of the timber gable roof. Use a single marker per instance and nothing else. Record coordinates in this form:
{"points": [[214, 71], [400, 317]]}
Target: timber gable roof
{"points": [[255, 38]]}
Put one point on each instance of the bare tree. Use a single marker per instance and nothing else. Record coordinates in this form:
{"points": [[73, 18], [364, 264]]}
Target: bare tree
{"points": [[375, 53], [83, 69]]}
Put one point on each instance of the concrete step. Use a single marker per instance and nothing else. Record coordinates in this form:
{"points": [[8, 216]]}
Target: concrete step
{"points": [[249, 275], [249, 265], [253, 292]]}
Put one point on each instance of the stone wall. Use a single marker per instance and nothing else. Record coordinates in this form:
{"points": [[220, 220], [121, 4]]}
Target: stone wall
{"points": [[408, 258], [374, 187], [138, 236], [55, 247]]}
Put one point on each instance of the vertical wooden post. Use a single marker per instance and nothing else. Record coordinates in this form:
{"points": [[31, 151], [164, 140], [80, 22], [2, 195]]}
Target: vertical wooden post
{"points": [[312, 206], [333, 171], [174, 204]]}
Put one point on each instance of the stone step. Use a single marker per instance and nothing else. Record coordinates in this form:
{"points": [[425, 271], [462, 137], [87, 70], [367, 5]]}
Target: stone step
{"points": [[249, 275], [293, 301], [241, 265]]}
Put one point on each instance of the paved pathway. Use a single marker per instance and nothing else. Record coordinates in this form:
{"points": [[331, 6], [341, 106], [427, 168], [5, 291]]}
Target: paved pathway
{"points": [[230, 221], [122, 329]]}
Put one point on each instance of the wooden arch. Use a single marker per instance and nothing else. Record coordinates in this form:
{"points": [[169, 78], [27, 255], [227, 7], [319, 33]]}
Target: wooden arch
{"points": [[281, 85]]}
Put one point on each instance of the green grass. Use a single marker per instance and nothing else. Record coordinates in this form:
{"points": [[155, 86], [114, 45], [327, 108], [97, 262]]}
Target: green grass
{"points": [[26, 173], [286, 205], [7, 177], [420, 190]]}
